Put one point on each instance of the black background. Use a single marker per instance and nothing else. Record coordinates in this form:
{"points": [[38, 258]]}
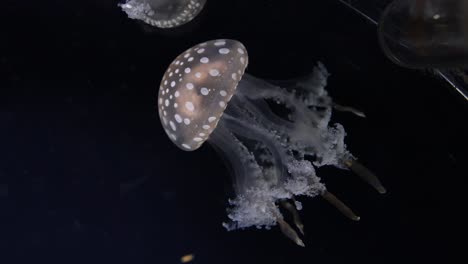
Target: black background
{"points": [[87, 174]]}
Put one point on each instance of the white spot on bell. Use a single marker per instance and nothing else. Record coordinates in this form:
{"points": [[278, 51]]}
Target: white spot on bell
{"points": [[206, 127], [186, 146], [204, 60], [189, 106], [172, 125], [211, 119], [224, 51], [178, 118], [222, 93], [214, 72], [187, 70], [220, 43], [222, 103], [189, 86], [187, 121], [204, 91]]}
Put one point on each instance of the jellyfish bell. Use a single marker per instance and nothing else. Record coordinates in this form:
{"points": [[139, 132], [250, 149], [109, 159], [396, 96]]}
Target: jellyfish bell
{"points": [[194, 91], [425, 34], [206, 96], [163, 13]]}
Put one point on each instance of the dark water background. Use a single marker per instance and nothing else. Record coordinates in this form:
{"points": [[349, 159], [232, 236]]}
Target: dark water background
{"points": [[87, 174]]}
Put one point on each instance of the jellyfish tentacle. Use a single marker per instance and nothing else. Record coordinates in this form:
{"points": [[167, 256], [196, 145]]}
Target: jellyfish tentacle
{"points": [[257, 89], [260, 111], [365, 174], [300, 135], [276, 184], [250, 206], [300, 177], [315, 82], [239, 158], [311, 87], [251, 131], [350, 109], [295, 214], [338, 204], [331, 149], [298, 168], [289, 232]]}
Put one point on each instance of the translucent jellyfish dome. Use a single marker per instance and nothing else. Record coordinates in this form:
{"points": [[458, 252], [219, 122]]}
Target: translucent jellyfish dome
{"points": [[206, 96], [422, 34], [163, 13]]}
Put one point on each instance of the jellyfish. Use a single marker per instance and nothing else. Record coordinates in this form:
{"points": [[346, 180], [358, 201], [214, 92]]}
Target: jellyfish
{"points": [[422, 34], [206, 96], [163, 13]]}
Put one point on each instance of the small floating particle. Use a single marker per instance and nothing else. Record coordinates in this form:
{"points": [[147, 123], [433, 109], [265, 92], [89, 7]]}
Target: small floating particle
{"points": [[187, 258]]}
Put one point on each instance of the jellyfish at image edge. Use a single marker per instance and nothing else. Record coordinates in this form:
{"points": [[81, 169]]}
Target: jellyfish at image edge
{"points": [[205, 95], [163, 13]]}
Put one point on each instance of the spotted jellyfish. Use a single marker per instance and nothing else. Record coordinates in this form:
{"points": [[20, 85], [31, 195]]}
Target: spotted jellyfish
{"points": [[206, 96], [163, 13]]}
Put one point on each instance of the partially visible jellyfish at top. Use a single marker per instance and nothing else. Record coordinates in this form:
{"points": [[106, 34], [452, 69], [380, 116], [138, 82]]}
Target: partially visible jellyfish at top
{"points": [[206, 96], [422, 34], [163, 13], [430, 35]]}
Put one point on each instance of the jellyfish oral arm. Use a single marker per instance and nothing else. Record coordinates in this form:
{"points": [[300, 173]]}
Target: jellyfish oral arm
{"points": [[267, 151], [258, 189], [250, 207], [137, 9], [307, 126]]}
